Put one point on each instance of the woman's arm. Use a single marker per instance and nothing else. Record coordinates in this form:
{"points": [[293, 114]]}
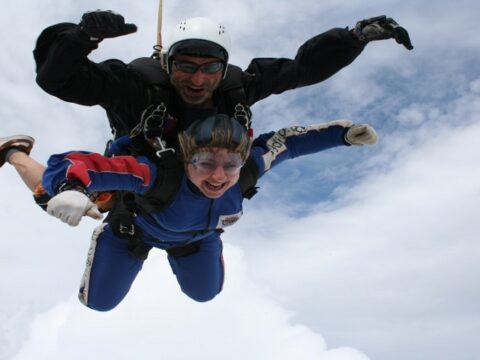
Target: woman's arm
{"points": [[272, 148], [95, 172]]}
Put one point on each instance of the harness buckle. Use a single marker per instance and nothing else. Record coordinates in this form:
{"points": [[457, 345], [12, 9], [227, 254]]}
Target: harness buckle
{"points": [[159, 145], [127, 229], [243, 115]]}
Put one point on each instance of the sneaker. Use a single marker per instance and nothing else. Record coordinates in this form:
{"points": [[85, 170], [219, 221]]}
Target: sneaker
{"points": [[21, 142]]}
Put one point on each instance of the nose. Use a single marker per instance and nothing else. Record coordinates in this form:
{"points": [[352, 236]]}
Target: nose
{"points": [[198, 78], [218, 173]]}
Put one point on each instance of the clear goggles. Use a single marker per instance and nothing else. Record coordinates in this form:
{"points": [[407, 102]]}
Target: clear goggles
{"points": [[207, 162]]}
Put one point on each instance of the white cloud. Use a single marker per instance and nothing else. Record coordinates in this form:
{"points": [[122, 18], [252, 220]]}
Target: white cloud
{"points": [[386, 267], [401, 245], [157, 321]]}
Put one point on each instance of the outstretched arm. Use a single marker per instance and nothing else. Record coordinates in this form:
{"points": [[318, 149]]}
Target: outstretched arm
{"points": [[273, 148], [15, 150], [319, 58], [94, 172], [316, 60]]}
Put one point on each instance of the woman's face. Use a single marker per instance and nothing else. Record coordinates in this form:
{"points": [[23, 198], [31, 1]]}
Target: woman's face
{"points": [[213, 171]]}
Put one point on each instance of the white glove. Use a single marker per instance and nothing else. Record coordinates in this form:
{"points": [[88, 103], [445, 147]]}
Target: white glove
{"points": [[69, 206], [361, 134]]}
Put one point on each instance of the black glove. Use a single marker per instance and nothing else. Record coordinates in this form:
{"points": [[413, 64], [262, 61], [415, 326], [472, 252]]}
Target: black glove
{"points": [[379, 28], [105, 24]]}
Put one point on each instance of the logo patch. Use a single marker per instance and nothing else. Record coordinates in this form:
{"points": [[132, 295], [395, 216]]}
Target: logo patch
{"points": [[227, 220]]}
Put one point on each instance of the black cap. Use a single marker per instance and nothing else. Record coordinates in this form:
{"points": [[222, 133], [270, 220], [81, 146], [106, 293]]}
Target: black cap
{"points": [[198, 47]]}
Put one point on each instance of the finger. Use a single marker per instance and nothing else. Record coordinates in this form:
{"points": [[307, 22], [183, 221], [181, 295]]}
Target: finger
{"points": [[129, 29], [73, 220], [402, 37], [94, 213]]}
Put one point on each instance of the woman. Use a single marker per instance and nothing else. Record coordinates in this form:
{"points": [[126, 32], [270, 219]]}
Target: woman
{"points": [[217, 156]]}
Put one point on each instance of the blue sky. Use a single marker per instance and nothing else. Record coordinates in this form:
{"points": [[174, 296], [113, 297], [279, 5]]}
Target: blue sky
{"points": [[351, 254]]}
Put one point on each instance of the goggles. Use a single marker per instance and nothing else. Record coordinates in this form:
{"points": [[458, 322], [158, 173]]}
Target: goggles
{"points": [[207, 162], [191, 68]]}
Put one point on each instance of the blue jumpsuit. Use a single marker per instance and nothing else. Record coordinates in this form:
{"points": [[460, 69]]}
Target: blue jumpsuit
{"points": [[111, 270]]}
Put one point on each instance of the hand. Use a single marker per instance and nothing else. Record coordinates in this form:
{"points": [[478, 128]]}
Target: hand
{"points": [[69, 206], [361, 134], [379, 28], [102, 24]]}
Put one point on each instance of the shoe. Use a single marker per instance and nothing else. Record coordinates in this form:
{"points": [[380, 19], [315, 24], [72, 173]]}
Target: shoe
{"points": [[21, 142]]}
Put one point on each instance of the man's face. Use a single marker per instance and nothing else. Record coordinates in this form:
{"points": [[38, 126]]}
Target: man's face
{"points": [[195, 89], [214, 171]]}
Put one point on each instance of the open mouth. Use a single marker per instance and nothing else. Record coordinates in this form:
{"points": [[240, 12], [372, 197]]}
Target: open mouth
{"points": [[214, 187], [195, 90]]}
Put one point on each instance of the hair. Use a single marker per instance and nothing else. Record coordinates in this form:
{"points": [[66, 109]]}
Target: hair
{"points": [[219, 131]]}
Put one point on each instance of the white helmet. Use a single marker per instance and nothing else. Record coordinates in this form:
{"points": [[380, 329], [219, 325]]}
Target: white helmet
{"points": [[199, 37]]}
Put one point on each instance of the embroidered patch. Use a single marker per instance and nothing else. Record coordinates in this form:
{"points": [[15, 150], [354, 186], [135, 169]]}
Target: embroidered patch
{"points": [[227, 220]]}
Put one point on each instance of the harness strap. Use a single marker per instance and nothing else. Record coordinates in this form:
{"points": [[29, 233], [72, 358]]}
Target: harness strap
{"points": [[185, 250], [232, 97], [248, 179], [121, 218], [121, 221]]}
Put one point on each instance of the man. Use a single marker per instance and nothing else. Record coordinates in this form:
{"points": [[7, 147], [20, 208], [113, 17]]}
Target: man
{"points": [[148, 104], [142, 98], [215, 165]]}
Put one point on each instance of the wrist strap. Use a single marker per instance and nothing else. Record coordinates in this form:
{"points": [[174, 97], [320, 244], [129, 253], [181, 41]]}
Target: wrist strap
{"points": [[72, 185]]}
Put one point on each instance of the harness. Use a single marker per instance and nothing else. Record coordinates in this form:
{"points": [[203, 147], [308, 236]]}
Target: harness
{"points": [[170, 171], [230, 96], [155, 136]]}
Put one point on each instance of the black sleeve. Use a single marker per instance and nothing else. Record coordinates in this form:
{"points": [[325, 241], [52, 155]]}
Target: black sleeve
{"points": [[64, 71], [316, 60]]}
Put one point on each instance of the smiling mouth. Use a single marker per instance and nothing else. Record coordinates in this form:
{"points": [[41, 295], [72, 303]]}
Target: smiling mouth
{"points": [[213, 187], [195, 90]]}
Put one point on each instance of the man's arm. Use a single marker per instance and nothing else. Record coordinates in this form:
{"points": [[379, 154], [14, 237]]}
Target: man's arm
{"points": [[64, 70], [317, 59]]}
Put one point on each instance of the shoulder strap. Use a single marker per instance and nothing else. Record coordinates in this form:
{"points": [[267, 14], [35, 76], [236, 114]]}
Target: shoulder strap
{"points": [[169, 174], [231, 94], [162, 110], [151, 70], [248, 179], [157, 79], [232, 97]]}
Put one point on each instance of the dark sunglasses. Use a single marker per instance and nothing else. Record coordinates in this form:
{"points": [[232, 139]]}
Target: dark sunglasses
{"points": [[192, 68]]}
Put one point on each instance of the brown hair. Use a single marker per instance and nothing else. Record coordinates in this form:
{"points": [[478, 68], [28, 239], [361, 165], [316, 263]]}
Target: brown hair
{"points": [[215, 131]]}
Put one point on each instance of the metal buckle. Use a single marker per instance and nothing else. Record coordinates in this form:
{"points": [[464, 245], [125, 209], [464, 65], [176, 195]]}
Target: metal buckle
{"points": [[243, 115], [127, 229]]}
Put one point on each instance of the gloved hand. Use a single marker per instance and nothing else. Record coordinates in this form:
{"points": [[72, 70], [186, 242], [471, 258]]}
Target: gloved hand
{"points": [[379, 28], [361, 134], [69, 206], [103, 24]]}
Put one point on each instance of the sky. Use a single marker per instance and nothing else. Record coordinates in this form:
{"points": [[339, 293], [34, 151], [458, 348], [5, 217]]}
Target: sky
{"points": [[351, 254]]}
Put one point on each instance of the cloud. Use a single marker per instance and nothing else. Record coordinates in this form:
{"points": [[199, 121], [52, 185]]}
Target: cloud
{"points": [[400, 245], [156, 320], [372, 249]]}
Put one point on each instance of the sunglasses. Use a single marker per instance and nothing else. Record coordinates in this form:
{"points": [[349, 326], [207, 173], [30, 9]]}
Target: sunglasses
{"points": [[191, 68], [207, 162]]}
